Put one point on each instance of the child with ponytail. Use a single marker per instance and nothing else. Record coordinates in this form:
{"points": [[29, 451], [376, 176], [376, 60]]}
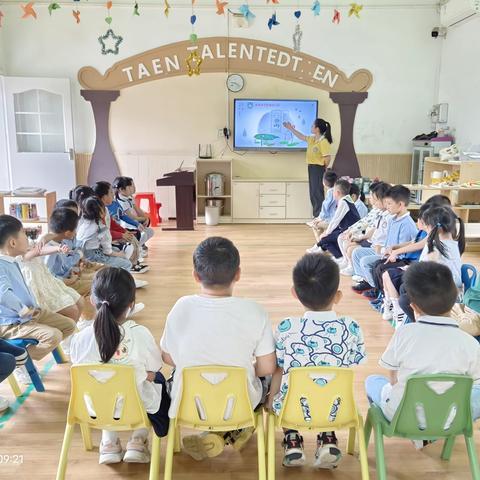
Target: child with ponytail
{"points": [[443, 245], [116, 339]]}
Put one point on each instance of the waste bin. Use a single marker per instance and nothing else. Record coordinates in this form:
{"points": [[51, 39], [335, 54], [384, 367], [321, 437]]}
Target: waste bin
{"points": [[212, 215]]}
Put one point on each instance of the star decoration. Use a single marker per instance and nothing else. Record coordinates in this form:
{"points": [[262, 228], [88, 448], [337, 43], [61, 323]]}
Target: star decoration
{"points": [[193, 19], [272, 21], [316, 8], [76, 15], [355, 9], [220, 7], [53, 6], [193, 62], [276, 2], [297, 14], [110, 35], [245, 11], [28, 10], [166, 8], [336, 17], [297, 38], [135, 9]]}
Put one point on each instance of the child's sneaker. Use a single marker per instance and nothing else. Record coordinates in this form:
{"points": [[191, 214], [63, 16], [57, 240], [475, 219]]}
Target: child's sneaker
{"points": [[357, 278], [205, 445], [314, 249], [4, 404], [22, 376], [137, 451], [327, 455], [387, 313], [347, 271], [140, 283], [110, 453], [239, 438], [293, 455], [139, 268]]}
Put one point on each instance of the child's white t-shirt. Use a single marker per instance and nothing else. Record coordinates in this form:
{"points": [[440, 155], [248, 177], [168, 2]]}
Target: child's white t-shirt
{"points": [[228, 331], [453, 260], [137, 348], [430, 345]]}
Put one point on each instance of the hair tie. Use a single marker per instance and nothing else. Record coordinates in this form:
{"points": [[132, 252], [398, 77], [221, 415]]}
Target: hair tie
{"points": [[105, 302], [439, 225]]}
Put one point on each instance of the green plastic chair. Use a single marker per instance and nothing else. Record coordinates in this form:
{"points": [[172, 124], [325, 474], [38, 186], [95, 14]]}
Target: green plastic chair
{"points": [[441, 420]]}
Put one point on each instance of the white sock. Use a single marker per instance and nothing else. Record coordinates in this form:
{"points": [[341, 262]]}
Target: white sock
{"points": [[141, 433], [396, 306], [109, 437]]}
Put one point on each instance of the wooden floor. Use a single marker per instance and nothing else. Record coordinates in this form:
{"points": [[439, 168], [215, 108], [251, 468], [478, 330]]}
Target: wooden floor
{"points": [[268, 253]]}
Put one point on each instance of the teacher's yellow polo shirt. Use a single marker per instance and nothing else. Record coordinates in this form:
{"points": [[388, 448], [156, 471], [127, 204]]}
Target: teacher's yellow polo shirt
{"points": [[317, 150]]}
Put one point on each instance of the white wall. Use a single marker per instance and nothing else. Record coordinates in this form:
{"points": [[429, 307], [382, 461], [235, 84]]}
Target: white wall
{"points": [[459, 84], [393, 43]]}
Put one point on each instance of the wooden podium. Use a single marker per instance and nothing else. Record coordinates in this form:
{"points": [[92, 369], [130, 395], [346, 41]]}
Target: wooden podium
{"points": [[184, 184]]}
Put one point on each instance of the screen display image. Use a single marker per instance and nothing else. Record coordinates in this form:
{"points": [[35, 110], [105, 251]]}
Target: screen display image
{"points": [[259, 123]]}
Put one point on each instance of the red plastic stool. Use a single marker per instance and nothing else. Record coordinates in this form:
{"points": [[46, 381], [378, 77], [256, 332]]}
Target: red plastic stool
{"points": [[159, 206], [152, 206]]}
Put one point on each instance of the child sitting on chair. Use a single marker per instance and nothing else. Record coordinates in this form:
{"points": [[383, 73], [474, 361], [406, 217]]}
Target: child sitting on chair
{"points": [[329, 205], [20, 314], [431, 344], [216, 328], [319, 338], [359, 200], [345, 216], [113, 338]]}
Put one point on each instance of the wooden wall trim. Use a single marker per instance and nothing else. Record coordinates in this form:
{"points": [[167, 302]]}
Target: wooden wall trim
{"points": [[391, 167]]}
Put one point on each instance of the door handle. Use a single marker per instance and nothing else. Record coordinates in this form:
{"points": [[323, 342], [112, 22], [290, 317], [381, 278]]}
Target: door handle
{"points": [[71, 154]]}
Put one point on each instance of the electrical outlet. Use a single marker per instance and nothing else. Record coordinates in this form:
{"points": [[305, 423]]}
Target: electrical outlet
{"points": [[220, 133]]}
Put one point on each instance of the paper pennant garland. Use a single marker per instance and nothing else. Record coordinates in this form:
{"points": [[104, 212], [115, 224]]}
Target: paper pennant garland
{"points": [[28, 10], [108, 18], [316, 8], [193, 37], [1, 18], [53, 6], [355, 9], [336, 17], [136, 12], [166, 8], [193, 62], [246, 12], [220, 7], [76, 15], [272, 21], [276, 2], [117, 39], [297, 14], [193, 19]]}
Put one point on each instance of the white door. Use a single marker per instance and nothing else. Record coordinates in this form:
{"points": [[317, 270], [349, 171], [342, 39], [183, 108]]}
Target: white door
{"points": [[298, 201], [245, 199], [40, 134]]}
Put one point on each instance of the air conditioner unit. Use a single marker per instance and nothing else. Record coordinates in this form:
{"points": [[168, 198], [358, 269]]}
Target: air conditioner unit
{"points": [[454, 12]]}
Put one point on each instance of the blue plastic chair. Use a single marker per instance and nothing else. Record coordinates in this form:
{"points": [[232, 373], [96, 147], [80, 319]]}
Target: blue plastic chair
{"points": [[469, 276], [58, 355]]}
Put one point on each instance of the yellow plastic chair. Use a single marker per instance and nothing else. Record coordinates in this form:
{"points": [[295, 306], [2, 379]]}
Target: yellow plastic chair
{"points": [[111, 403], [309, 403], [214, 398]]}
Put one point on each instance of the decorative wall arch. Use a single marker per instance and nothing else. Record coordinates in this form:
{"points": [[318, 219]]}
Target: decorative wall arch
{"points": [[223, 54]]}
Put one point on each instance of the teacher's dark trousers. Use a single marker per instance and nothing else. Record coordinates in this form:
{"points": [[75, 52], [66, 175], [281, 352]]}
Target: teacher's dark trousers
{"points": [[315, 182]]}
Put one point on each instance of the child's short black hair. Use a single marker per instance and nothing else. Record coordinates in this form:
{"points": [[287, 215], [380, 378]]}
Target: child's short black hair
{"points": [[315, 279], [381, 189], [343, 186], [430, 286], [101, 188], [355, 190], [62, 220], [66, 203], [9, 227], [438, 201], [329, 178], [399, 193], [216, 261]]}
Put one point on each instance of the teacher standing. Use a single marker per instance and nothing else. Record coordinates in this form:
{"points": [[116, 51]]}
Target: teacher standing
{"points": [[318, 158]]}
